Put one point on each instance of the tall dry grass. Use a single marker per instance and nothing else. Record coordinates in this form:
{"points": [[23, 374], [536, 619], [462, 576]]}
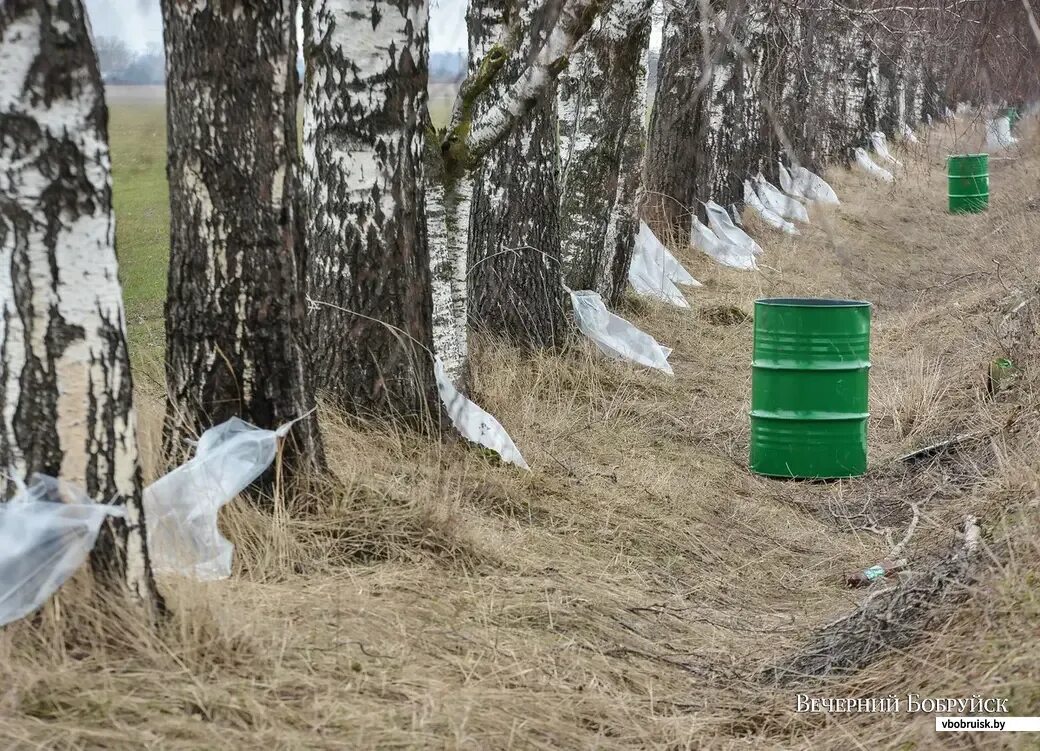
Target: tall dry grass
{"points": [[628, 591]]}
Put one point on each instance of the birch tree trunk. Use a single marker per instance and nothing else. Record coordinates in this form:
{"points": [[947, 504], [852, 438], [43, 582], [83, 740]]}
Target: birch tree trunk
{"points": [[671, 149], [731, 137], [624, 217], [515, 279], [597, 97], [235, 311], [447, 216], [66, 396], [368, 262]]}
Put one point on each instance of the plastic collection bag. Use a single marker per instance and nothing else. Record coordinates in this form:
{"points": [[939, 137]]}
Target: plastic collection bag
{"points": [[880, 143], [788, 184], [725, 253], [814, 187], [181, 508], [648, 244], [908, 134], [723, 226], [736, 215], [473, 423], [46, 533], [778, 203], [768, 216], [998, 134], [863, 160], [650, 280], [614, 336]]}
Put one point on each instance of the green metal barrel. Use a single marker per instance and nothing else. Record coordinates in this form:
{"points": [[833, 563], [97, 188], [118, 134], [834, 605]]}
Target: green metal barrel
{"points": [[1012, 116], [968, 176], [809, 388]]}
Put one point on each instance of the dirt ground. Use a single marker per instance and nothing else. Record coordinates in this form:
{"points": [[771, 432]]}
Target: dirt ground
{"points": [[639, 587]]}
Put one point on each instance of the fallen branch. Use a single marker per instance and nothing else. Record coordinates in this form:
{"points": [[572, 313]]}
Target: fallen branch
{"points": [[893, 619]]}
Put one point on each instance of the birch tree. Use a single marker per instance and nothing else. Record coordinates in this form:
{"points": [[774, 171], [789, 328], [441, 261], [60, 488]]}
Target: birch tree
{"points": [[515, 278], [600, 92], [672, 138], [368, 262], [66, 395], [484, 116], [235, 312]]}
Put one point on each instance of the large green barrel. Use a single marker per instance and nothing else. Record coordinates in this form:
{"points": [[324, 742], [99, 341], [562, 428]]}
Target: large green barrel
{"points": [[809, 387], [968, 176]]}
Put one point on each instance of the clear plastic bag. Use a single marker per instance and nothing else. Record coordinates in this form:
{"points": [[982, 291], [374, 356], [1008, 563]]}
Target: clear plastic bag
{"points": [[473, 423], [614, 336], [788, 184], [46, 533], [648, 244], [998, 134], [778, 203], [650, 280], [181, 508], [867, 164], [908, 134], [814, 187], [880, 143], [725, 253], [721, 224], [768, 216]]}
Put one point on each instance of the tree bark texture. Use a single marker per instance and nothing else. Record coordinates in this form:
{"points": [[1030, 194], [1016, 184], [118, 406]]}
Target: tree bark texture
{"points": [[235, 312], [732, 135], [598, 95], [624, 217], [66, 395], [447, 215], [671, 151], [368, 262], [515, 279]]}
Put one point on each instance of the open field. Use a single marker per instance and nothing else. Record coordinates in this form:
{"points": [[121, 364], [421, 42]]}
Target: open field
{"points": [[630, 591]]}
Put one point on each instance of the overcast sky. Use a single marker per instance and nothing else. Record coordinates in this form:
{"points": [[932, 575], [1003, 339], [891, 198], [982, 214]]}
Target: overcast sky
{"points": [[139, 22]]}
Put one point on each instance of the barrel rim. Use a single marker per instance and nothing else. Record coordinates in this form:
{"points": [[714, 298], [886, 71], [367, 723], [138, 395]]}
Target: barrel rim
{"points": [[967, 156], [811, 302]]}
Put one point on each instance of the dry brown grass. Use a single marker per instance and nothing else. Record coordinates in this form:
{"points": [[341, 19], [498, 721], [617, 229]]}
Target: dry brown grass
{"points": [[626, 592]]}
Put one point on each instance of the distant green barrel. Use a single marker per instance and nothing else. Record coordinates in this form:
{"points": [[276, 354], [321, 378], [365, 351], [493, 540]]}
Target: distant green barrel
{"points": [[809, 381], [968, 177], [1012, 116]]}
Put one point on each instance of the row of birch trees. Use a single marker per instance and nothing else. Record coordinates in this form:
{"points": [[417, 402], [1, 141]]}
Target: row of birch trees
{"points": [[341, 259]]}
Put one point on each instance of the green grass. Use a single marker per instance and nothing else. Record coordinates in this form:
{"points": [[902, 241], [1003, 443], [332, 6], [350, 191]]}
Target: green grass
{"points": [[137, 135]]}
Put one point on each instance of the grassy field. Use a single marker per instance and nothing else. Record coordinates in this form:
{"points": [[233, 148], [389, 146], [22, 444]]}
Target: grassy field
{"points": [[634, 589]]}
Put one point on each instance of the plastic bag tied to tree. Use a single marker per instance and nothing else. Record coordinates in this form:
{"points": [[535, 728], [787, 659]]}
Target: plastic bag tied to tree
{"points": [[880, 143], [722, 225], [769, 216], [181, 508], [724, 252], [473, 423], [648, 245], [814, 187], [46, 533], [867, 165], [777, 202], [648, 279], [614, 336]]}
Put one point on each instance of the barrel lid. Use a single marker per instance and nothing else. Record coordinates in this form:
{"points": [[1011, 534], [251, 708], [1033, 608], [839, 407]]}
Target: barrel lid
{"points": [[811, 302], [966, 156]]}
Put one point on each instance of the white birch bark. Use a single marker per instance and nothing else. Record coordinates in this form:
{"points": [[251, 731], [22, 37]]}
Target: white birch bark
{"points": [[447, 216], [596, 99], [66, 396], [368, 260]]}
